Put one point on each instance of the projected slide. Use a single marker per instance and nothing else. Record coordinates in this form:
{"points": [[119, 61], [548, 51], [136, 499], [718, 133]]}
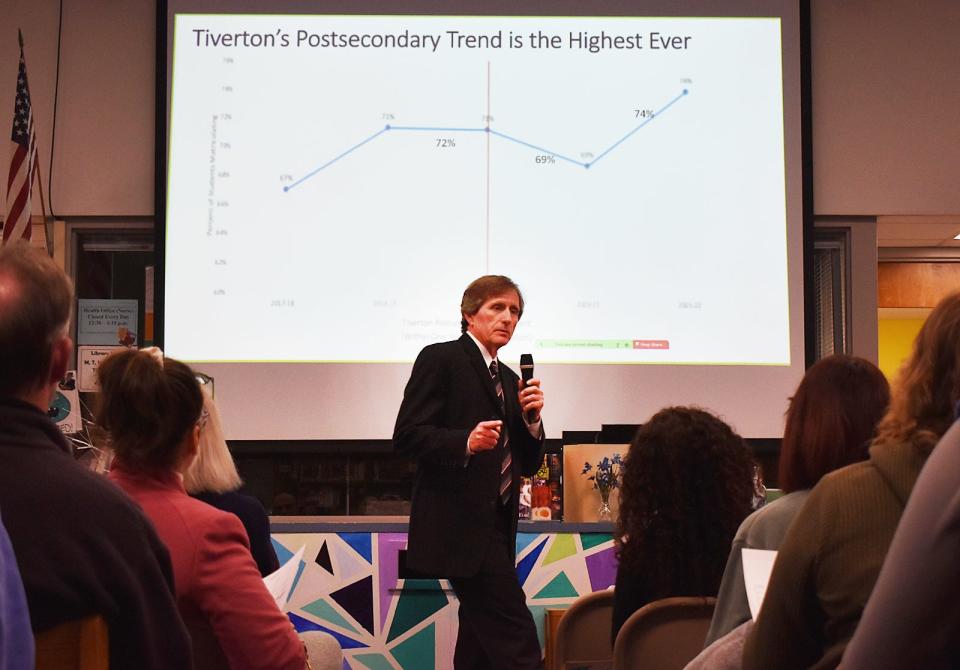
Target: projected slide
{"points": [[336, 181]]}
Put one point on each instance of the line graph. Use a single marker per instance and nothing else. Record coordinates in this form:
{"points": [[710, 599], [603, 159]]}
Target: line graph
{"points": [[495, 133], [329, 199]]}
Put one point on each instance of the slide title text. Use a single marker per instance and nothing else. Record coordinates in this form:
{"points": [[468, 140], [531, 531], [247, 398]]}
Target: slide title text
{"points": [[449, 39]]}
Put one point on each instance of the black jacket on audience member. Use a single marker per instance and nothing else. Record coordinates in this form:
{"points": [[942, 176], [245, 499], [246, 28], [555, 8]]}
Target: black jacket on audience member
{"points": [[83, 547], [255, 521]]}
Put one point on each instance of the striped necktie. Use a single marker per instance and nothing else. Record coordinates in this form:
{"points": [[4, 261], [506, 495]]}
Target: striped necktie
{"points": [[506, 477]]}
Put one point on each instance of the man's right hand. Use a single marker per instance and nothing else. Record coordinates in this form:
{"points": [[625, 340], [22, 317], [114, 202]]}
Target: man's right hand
{"points": [[484, 436]]}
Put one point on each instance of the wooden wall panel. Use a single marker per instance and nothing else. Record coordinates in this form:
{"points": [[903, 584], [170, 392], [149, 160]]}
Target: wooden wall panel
{"points": [[915, 284]]}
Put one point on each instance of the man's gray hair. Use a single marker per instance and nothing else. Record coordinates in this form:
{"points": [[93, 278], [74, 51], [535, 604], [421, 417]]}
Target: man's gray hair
{"points": [[36, 298]]}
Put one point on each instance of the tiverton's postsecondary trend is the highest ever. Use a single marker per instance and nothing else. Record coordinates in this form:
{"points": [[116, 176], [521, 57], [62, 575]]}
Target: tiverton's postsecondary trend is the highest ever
{"points": [[495, 133]]}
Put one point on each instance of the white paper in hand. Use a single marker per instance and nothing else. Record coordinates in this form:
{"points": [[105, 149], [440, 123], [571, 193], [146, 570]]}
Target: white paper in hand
{"points": [[280, 583], [757, 566]]}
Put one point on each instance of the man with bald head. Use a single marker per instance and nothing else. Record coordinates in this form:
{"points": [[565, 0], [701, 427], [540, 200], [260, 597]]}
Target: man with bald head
{"points": [[83, 548]]}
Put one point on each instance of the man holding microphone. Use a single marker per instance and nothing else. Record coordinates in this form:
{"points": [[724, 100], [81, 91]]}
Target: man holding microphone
{"points": [[474, 428]]}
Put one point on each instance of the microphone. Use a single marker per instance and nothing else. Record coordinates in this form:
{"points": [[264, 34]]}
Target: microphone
{"points": [[526, 373]]}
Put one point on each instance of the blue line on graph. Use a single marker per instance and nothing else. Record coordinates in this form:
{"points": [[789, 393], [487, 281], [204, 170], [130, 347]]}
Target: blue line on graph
{"points": [[492, 132], [648, 120], [331, 162], [441, 130], [534, 146]]}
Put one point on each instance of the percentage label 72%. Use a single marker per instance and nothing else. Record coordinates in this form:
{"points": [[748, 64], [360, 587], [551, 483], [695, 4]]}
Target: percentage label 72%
{"points": [[446, 142]]}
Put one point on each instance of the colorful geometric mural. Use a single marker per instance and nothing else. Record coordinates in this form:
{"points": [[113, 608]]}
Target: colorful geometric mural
{"points": [[348, 586]]}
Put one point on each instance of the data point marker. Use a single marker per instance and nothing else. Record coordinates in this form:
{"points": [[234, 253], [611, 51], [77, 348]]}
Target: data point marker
{"points": [[387, 127]]}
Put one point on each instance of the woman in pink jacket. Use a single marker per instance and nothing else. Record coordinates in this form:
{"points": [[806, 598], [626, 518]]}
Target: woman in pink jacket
{"points": [[152, 410]]}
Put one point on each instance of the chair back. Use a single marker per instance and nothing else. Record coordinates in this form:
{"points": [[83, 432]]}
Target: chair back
{"points": [[583, 634], [83, 644], [207, 652], [663, 635]]}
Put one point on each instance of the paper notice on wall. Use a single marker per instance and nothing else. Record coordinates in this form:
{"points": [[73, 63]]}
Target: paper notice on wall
{"points": [[280, 583], [65, 404], [107, 322], [88, 360], [757, 566]]}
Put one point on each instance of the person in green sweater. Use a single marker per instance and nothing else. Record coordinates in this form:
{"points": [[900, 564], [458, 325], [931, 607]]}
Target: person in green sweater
{"points": [[831, 421], [833, 551]]}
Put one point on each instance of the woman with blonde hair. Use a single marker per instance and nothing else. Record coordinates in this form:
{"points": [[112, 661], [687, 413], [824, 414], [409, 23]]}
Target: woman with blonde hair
{"points": [[213, 478], [831, 556]]}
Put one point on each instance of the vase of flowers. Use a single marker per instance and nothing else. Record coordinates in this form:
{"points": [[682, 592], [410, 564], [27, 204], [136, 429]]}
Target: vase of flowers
{"points": [[605, 476]]}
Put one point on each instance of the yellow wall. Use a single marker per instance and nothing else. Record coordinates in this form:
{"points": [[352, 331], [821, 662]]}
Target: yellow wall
{"points": [[895, 339]]}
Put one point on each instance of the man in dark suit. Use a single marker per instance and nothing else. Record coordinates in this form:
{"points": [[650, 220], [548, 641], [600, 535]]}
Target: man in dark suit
{"points": [[474, 429]]}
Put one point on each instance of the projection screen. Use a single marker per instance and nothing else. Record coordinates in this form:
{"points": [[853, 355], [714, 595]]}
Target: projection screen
{"points": [[335, 174]]}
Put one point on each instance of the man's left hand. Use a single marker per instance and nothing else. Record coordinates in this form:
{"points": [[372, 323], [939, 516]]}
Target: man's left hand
{"points": [[531, 399]]}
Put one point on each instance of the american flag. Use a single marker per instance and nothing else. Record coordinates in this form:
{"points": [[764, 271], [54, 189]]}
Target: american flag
{"points": [[23, 161]]}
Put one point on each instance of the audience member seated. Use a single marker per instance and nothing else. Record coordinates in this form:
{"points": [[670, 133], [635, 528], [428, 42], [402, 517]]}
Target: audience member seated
{"points": [[688, 482], [16, 638], [725, 653], [213, 478], [830, 422], [829, 561], [151, 408], [912, 619], [82, 546]]}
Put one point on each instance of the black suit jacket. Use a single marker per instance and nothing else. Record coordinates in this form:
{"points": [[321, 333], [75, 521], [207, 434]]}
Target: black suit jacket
{"points": [[455, 497]]}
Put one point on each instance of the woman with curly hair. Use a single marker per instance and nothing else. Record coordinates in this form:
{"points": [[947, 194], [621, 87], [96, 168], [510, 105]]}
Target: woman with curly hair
{"points": [[832, 553], [688, 482]]}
